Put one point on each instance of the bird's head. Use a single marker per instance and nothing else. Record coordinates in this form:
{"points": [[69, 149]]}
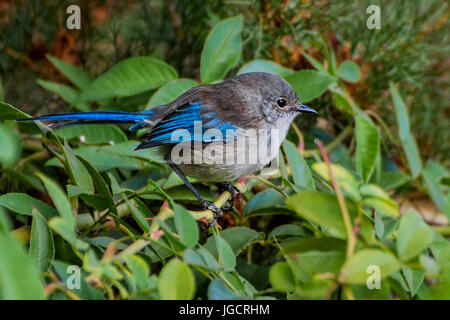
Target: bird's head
{"points": [[272, 95]]}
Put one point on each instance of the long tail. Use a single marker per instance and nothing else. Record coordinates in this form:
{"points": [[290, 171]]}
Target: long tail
{"points": [[96, 117]]}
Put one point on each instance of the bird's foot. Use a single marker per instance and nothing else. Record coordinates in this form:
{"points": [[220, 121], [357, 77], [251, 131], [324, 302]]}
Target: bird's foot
{"points": [[217, 213], [234, 193]]}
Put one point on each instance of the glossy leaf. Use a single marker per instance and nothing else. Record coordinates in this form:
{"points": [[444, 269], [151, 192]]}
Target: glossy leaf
{"points": [[406, 137], [309, 84], [59, 200], [8, 112], [269, 66], [358, 268], [414, 235], [322, 208], [42, 249], [170, 91], [345, 180], [186, 227], [139, 217], [222, 49], [238, 238], [176, 281], [9, 146], [432, 173], [281, 277], [367, 147], [67, 93], [23, 204], [266, 202], [75, 74], [226, 255], [129, 77], [300, 169], [18, 276], [349, 71]]}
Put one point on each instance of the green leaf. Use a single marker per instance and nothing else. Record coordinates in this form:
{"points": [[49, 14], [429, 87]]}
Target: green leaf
{"points": [[414, 279], [378, 199], [387, 207], [99, 182], [393, 179], [60, 226], [75, 74], [23, 204], [86, 291], [238, 238], [186, 227], [138, 216], [343, 102], [312, 244], [8, 112], [406, 137], [139, 269], [300, 171], [401, 112], [218, 290], [313, 263], [226, 255], [344, 179], [176, 281], [9, 146], [367, 147], [5, 222], [42, 248], [170, 91], [412, 155], [78, 171], [322, 208], [357, 269], [414, 235], [349, 71], [432, 173], [18, 276], [289, 230], [93, 134], [266, 202], [316, 64], [59, 200], [129, 77], [385, 225], [309, 84], [281, 277], [265, 66], [67, 93], [222, 49]]}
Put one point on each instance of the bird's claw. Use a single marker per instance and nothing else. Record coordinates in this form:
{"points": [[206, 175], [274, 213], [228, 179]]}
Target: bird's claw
{"points": [[217, 213], [233, 192]]}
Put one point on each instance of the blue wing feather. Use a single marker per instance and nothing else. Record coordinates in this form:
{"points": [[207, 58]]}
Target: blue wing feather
{"points": [[183, 118]]}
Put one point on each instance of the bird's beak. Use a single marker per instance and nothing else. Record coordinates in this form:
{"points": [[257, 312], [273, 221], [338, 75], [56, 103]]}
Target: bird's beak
{"points": [[306, 109]]}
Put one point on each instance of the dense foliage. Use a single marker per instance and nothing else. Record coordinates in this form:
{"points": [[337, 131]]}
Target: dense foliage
{"points": [[340, 207]]}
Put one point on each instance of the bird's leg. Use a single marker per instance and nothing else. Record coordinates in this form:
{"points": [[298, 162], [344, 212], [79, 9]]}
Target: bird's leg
{"points": [[205, 204], [232, 190]]}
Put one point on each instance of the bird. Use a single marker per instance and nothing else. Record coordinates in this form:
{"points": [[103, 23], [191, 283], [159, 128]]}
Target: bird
{"points": [[210, 132]]}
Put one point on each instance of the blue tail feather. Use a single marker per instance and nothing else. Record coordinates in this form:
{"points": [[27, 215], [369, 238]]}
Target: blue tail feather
{"points": [[119, 116]]}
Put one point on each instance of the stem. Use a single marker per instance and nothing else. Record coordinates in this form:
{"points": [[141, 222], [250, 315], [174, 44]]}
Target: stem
{"points": [[351, 239]]}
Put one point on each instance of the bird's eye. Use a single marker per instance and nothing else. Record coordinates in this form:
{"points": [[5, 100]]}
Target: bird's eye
{"points": [[281, 102]]}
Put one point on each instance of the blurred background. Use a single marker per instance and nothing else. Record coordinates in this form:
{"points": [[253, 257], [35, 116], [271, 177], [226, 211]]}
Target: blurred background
{"points": [[412, 47]]}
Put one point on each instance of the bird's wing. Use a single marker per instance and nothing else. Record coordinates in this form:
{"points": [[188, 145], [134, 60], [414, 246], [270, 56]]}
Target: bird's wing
{"points": [[194, 119]]}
